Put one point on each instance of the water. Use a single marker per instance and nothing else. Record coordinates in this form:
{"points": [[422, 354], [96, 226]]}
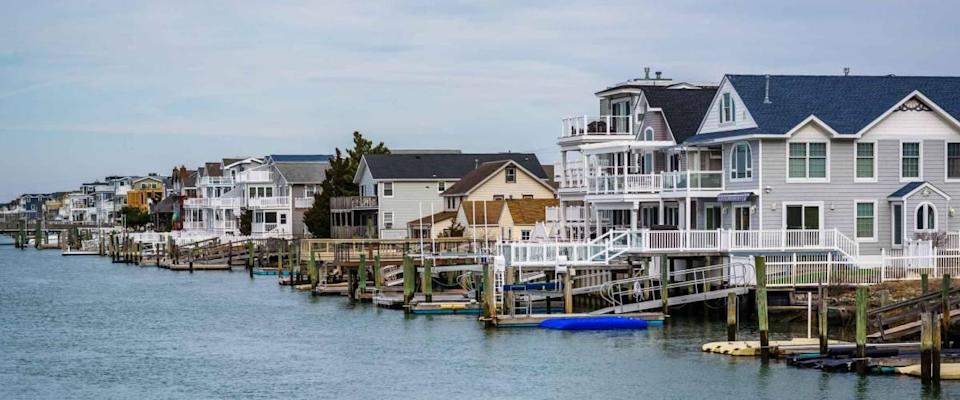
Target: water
{"points": [[81, 327]]}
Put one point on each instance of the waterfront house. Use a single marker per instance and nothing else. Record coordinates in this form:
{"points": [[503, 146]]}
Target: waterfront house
{"points": [[405, 186], [145, 192]]}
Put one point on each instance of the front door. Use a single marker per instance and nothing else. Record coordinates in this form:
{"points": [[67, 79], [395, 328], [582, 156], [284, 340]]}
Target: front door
{"points": [[741, 222], [803, 225]]}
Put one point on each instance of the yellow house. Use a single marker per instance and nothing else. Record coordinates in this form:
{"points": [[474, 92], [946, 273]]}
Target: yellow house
{"points": [[511, 219], [145, 191]]}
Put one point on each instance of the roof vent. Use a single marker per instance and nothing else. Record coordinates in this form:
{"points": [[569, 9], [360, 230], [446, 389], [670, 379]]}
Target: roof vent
{"points": [[846, 71], [646, 72], [766, 92]]}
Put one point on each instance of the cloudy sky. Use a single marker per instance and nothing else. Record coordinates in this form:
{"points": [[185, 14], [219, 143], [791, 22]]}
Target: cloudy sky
{"points": [[91, 88]]}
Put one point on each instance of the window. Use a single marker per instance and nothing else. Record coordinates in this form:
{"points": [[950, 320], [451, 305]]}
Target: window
{"points": [[926, 217], [728, 110], [953, 160], [451, 203], [910, 161], [671, 216], [866, 226], [621, 117], [897, 225], [258, 217], [269, 191], [674, 162], [524, 234], [648, 134], [310, 190], [712, 220], [388, 190], [388, 220], [802, 217], [527, 196], [270, 217], [807, 161], [441, 186], [741, 162], [866, 155], [253, 192], [283, 219], [498, 197], [511, 175]]}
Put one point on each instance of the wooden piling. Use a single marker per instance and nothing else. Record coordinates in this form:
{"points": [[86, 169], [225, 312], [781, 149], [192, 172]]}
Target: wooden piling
{"points": [[509, 300], [312, 270], [926, 345], [362, 274], [822, 318], [923, 283], [489, 297], [427, 280], [377, 272], [36, 235], [409, 282], [731, 317], [193, 255], [760, 266], [250, 255], [935, 351], [862, 299], [945, 310], [568, 290], [664, 281]]}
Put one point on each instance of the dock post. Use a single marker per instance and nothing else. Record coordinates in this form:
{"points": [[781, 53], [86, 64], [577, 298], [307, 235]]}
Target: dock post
{"points": [[822, 318], [568, 290], [924, 288], [280, 254], [362, 276], [935, 351], [312, 270], [664, 281], [409, 282], [100, 240], [862, 300], [945, 310], [377, 273], [731, 317], [193, 254], [427, 281], [509, 300], [36, 235], [489, 296], [926, 345], [760, 265], [139, 253]]}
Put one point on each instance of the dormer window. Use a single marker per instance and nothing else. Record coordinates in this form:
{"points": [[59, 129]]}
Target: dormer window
{"points": [[728, 110], [511, 175]]}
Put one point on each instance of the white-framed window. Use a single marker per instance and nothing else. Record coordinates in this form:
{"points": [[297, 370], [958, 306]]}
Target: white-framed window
{"points": [[620, 120], [728, 110], [648, 134], [952, 161], [524, 234], [741, 162], [911, 154], [388, 220], [671, 215], [283, 218], [388, 189], [808, 161], [896, 223], [310, 190], [511, 175], [441, 186], [926, 217], [498, 197], [865, 155], [527, 196], [865, 220]]}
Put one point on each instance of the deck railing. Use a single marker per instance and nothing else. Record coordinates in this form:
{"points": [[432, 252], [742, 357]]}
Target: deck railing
{"points": [[353, 202], [596, 125], [609, 180], [216, 181], [269, 202], [254, 176], [693, 181]]}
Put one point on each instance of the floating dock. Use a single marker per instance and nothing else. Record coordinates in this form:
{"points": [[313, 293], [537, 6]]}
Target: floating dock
{"points": [[533, 320]]}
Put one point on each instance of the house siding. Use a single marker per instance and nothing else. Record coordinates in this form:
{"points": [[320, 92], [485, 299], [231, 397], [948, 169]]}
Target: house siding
{"points": [[497, 185], [408, 196], [711, 121], [746, 185]]}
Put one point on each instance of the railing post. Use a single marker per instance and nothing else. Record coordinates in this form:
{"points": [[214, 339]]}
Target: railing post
{"points": [[829, 266], [883, 265]]}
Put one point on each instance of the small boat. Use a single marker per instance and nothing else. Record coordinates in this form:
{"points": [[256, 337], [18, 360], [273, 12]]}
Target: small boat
{"points": [[596, 323]]}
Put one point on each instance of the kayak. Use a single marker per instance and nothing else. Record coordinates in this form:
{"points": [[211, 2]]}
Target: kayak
{"points": [[598, 323]]}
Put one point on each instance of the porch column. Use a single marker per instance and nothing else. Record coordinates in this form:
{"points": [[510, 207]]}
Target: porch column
{"points": [[686, 211], [660, 213], [563, 169], [563, 219], [596, 214], [633, 216]]}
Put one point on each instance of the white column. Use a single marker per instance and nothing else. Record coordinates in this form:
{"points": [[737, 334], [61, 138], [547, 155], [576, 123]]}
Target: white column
{"points": [[633, 217], [563, 168]]}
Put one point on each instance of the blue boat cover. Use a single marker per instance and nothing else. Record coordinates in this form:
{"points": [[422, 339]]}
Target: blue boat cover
{"points": [[598, 323]]}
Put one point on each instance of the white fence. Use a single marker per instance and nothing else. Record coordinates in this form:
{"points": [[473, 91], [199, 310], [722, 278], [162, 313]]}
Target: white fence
{"points": [[810, 270]]}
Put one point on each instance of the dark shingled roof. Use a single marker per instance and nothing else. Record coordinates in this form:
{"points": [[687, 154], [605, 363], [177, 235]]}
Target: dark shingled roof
{"points": [[906, 189], [213, 169], [438, 217], [442, 166], [306, 172], [683, 108], [845, 103], [473, 178]]}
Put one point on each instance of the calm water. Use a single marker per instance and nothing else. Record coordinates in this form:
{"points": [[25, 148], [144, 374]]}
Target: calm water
{"points": [[81, 327]]}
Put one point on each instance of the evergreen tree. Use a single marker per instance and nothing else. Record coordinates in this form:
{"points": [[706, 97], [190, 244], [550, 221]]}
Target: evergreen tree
{"points": [[338, 183]]}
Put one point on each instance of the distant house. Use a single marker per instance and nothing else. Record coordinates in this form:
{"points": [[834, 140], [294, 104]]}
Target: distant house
{"points": [[398, 188], [145, 191], [511, 219]]}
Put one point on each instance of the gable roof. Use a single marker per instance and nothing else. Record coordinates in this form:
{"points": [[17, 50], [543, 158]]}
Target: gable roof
{"points": [[482, 212], [910, 188], [483, 173], [845, 103], [450, 166], [282, 158], [438, 217], [304, 172], [682, 108], [529, 211]]}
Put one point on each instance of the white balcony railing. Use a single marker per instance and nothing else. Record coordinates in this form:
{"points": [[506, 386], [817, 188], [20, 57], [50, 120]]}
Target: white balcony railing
{"points": [[573, 214], [216, 181], [213, 202], [254, 177], [269, 202], [303, 202], [193, 225], [573, 176], [693, 181], [596, 125], [623, 183]]}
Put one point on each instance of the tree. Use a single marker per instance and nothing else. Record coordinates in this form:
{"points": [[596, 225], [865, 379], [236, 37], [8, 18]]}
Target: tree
{"points": [[246, 222], [338, 183], [135, 217]]}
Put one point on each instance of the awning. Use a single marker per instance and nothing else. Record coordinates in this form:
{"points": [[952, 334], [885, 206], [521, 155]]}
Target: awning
{"points": [[733, 197]]}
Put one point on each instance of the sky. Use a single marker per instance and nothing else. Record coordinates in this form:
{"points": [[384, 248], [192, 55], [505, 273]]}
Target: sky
{"points": [[96, 88]]}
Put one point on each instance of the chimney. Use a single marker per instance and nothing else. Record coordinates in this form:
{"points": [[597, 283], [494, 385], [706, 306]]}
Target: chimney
{"points": [[766, 92], [646, 72], [846, 71], [658, 73]]}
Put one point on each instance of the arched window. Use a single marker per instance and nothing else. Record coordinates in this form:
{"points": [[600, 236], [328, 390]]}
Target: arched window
{"points": [[926, 217], [741, 161], [648, 134]]}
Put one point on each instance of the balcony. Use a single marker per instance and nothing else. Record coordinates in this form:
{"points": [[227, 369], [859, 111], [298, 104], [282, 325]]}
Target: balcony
{"points": [[353, 203], [213, 202], [604, 125], [611, 180], [303, 202], [573, 177], [193, 225], [693, 181], [268, 202], [573, 214], [255, 177], [216, 181]]}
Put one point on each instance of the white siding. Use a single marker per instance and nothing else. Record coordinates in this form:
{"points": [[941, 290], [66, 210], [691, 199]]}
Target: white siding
{"points": [[711, 122]]}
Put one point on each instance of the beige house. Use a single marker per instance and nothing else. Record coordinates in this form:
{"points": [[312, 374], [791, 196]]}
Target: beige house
{"points": [[497, 180], [511, 219]]}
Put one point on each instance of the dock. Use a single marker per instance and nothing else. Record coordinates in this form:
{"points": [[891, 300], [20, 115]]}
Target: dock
{"points": [[532, 320]]}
